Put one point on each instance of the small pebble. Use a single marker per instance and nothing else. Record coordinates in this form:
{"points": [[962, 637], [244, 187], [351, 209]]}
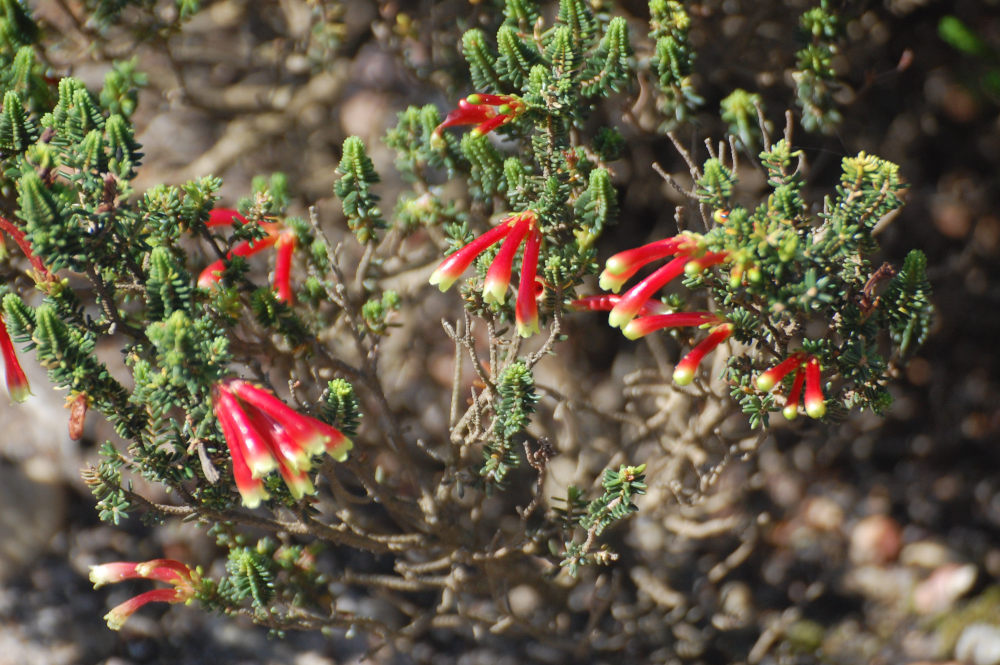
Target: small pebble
{"points": [[943, 587], [979, 644], [876, 539]]}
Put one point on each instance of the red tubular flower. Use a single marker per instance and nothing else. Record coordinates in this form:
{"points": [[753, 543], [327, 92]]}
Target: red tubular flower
{"points": [[526, 308], [773, 376], [807, 372], [184, 580], [283, 265], [284, 239], [607, 302], [815, 403], [498, 276], [41, 272], [213, 272], [251, 489], [685, 369], [630, 304], [17, 381], [458, 261], [643, 325], [264, 434], [518, 228], [224, 217], [623, 265], [791, 410], [485, 111]]}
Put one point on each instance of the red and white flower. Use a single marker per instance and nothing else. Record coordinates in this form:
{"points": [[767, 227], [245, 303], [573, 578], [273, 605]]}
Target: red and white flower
{"points": [[17, 381], [808, 374], [264, 434], [514, 230], [485, 111], [690, 257], [279, 236], [184, 582]]}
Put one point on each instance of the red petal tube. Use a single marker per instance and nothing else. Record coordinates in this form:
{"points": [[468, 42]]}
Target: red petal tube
{"points": [[606, 302], [213, 272], [791, 410], [251, 489], [117, 617], [458, 261], [642, 326], [224, 217], [623, 265], [815, 403], [498, 276], [773, 376], [526, 308], [491, 124], [685, 369], [17, 381], [312, 435], [253, 442], [283, 266], [630, 304]]}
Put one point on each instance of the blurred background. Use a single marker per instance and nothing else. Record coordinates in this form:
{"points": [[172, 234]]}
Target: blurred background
{"points": [[873, 540]]}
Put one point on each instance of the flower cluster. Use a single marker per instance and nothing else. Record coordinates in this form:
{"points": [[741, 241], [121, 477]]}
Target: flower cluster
{"points": [[807, 371], [690, 257], [518, 228], [183, 579], [17, 382], [264, 434], [283, 239], [638, 314], [485, 111]]}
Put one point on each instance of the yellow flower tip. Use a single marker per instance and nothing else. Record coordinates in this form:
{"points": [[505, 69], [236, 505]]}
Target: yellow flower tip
{"points": [[115, 620], [442, 281], [764, 383], [790, 412], [494, 292], [816, 410], [20, 393], [528, 328], [683, 376], [339, 450], [609, 281], [632, 331]]}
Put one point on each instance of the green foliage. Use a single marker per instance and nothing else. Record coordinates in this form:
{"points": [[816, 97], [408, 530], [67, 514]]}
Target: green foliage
{"points": [[376, 312], [17, 130], [613, 505], [811, 276], [482, 67], [512, 415], [417, 146], [169, 286], [105, 483], [251, 575], [121, 87], [353, 189], [17, 28], [485, 165], [340, 407], [673, 62], [739, 111], [815, 80], [907, 304]]}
